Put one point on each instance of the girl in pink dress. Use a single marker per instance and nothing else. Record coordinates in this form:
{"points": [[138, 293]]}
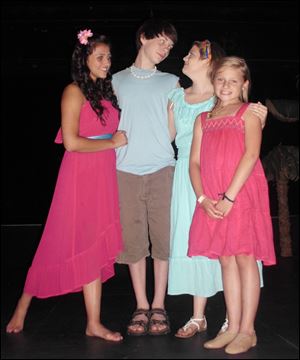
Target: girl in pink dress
{"points": [[232, 218], [82, 235]]}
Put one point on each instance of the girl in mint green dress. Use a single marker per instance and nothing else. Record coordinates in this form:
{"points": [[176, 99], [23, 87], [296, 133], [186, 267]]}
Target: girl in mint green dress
{"points": [[198, 276]]}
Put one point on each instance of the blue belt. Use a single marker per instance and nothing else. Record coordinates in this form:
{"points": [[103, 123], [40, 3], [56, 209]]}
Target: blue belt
{"points": [[104, 136]]}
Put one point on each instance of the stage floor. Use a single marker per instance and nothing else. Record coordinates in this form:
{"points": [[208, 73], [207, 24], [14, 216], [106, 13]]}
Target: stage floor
{"points": [[55, 327]]}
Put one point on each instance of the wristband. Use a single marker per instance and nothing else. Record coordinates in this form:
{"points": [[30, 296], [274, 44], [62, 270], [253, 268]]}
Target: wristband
{"points": [[201, 198]]}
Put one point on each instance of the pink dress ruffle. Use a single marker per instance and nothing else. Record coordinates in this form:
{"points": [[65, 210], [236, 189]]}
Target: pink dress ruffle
{"points": [[82, 235], [248, 227]]}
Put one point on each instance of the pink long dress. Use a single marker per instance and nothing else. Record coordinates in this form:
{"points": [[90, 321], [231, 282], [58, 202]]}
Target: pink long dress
{"points": [[248, 227], [82, 235]]}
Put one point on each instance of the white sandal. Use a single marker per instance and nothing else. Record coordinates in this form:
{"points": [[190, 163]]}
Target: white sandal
{"points": [[196, 329]]}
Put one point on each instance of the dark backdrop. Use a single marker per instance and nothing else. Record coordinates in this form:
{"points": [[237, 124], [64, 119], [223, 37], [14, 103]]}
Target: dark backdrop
{"points": [[37, 42]]}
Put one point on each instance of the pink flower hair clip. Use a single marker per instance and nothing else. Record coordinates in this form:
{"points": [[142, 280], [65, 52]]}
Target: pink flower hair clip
{"points": [[83, 36]]}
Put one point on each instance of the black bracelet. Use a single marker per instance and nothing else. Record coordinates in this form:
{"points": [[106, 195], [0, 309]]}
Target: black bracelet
{"points": [[224, 196], [227, 198]]}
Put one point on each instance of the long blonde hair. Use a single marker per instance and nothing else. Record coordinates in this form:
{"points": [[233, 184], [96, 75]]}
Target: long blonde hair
{"points": [[236, 63]]}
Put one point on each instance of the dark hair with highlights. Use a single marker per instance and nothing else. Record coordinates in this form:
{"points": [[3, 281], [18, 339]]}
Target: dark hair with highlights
{"points": [[94, 91], [216, 51], [153, 28]]}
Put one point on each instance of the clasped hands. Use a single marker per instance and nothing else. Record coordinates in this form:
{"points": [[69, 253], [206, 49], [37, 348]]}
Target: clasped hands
{"points": [[216, 209]]}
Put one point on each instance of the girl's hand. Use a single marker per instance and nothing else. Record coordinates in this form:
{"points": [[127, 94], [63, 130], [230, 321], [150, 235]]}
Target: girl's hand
{"points": [[224, 207], [119, 138], [261, 111], [209, 207]]}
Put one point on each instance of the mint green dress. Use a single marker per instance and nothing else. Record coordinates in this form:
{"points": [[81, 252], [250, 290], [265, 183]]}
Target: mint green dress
{"points": [[197, 275]]}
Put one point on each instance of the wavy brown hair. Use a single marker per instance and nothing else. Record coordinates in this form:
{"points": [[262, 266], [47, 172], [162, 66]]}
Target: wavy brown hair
{"points": [[94, 91]]}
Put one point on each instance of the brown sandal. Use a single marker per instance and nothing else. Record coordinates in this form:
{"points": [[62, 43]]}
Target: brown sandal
{"points": [[154, 322], [143, 323]]}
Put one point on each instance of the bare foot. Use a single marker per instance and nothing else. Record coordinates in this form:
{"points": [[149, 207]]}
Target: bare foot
{"points": [[102, 332], [16, 323]]}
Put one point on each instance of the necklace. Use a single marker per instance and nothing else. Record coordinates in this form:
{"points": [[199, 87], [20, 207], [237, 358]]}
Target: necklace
{"points": [[142, 77], [217, 110]]}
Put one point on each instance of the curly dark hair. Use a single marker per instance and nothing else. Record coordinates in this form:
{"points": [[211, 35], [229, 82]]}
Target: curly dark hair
{"points": [[94, 91]]}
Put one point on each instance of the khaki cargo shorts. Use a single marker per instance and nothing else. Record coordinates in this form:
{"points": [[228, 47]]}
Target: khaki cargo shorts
{"points": [[145, 202]]}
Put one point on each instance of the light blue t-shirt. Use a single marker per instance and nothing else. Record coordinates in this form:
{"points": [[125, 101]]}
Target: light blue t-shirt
{"points": [[144, 117]]}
